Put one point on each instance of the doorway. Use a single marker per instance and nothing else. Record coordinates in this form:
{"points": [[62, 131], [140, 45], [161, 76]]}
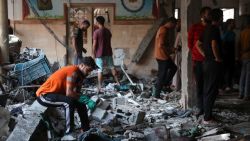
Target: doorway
{"points": [[78, 12]]}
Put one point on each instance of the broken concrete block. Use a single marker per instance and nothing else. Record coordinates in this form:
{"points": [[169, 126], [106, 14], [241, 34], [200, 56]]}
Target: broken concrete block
{"points": [[4, 121], [137, 118], [175, 132], [109, 118], [157, 134], [242, 128], [98, 114], [103, 105], [119, 101], [28, 125], [211, 132], [133, 102], [221, 137], [134, 135], [127, 117], [161, 101]]}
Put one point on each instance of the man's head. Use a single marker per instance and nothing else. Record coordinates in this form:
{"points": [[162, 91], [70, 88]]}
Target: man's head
{"points": [[100, 20], [84, 24], [87, 65], [205, 14], [171, 22], [230, 24], [217, 16]]}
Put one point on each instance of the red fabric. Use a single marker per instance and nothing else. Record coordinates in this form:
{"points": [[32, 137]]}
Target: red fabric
{"points": [[26, 10], [155, 9], [193, 36], [103, 39]]}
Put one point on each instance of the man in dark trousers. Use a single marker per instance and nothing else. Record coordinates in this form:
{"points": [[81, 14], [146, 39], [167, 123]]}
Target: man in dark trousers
{"points": [[210, 46], [77, 40], [163, 49], [62, 88], [197, 59]]}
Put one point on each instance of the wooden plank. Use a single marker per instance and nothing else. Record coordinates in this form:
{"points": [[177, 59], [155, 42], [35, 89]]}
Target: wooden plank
{"points": [[147, 40]]}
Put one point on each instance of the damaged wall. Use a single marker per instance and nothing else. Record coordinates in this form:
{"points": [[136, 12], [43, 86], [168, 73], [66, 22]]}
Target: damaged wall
{"points": [[125, 36], [33, 34]]}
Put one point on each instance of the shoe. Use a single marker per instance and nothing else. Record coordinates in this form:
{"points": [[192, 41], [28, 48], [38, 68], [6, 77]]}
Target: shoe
{"points": [[68, 137]]}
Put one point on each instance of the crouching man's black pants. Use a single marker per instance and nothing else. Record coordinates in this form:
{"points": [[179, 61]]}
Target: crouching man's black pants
{"points": [[69, 104]]}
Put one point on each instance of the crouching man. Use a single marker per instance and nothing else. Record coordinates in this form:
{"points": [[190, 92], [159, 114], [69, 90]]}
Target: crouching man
{"points": [[62, 88]]}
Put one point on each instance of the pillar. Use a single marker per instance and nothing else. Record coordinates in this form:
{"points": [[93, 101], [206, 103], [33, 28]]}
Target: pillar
{"points": [[190, 10], [4, 38]]}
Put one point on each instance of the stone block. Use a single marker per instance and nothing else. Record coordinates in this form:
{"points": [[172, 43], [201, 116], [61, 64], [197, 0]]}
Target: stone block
{"points": [[130, 118], [119, 101], [158, 134], [98, 114], [28, 125], [103, 105]]}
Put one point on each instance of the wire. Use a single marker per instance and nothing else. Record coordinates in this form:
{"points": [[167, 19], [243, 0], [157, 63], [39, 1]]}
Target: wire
{"points": [[45, 25]]}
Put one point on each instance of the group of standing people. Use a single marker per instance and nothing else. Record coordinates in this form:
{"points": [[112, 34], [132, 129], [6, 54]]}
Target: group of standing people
{"points": [[210, 49], [213, 58]]}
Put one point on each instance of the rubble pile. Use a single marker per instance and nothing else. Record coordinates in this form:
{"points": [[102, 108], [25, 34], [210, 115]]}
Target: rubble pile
{"points": [[125, 112]]}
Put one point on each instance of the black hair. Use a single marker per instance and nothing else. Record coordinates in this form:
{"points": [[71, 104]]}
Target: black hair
{"points": [[89, 61], [172, 20], [86, 22], [216, 14], [204, 9], [100, 20]]}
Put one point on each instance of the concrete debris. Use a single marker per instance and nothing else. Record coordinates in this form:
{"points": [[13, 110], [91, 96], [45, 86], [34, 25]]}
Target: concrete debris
{"points": [[211, 132], [221, 137], [27, 125], [126, 113], [157, 134], [98, 114], [241, 128], [4, 121], [131, 118], [133, 135]]}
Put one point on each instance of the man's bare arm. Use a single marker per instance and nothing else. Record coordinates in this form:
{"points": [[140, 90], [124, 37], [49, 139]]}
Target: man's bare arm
{"points": [[216, 51], [200, 48], [94, 48], [74, 43], [71, 89]]}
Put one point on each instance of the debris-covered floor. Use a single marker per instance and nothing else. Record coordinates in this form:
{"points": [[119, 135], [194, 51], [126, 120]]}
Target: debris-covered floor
{"points": [[126, 112]]}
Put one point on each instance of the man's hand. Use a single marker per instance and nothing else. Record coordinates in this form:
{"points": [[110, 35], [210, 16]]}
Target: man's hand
{"points": [[93, 56], [218, 60], [84, 50]]}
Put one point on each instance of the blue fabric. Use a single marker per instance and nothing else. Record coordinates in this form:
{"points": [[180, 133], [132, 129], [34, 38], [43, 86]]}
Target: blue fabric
{"points": [[245, 78], [104, 62]]}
